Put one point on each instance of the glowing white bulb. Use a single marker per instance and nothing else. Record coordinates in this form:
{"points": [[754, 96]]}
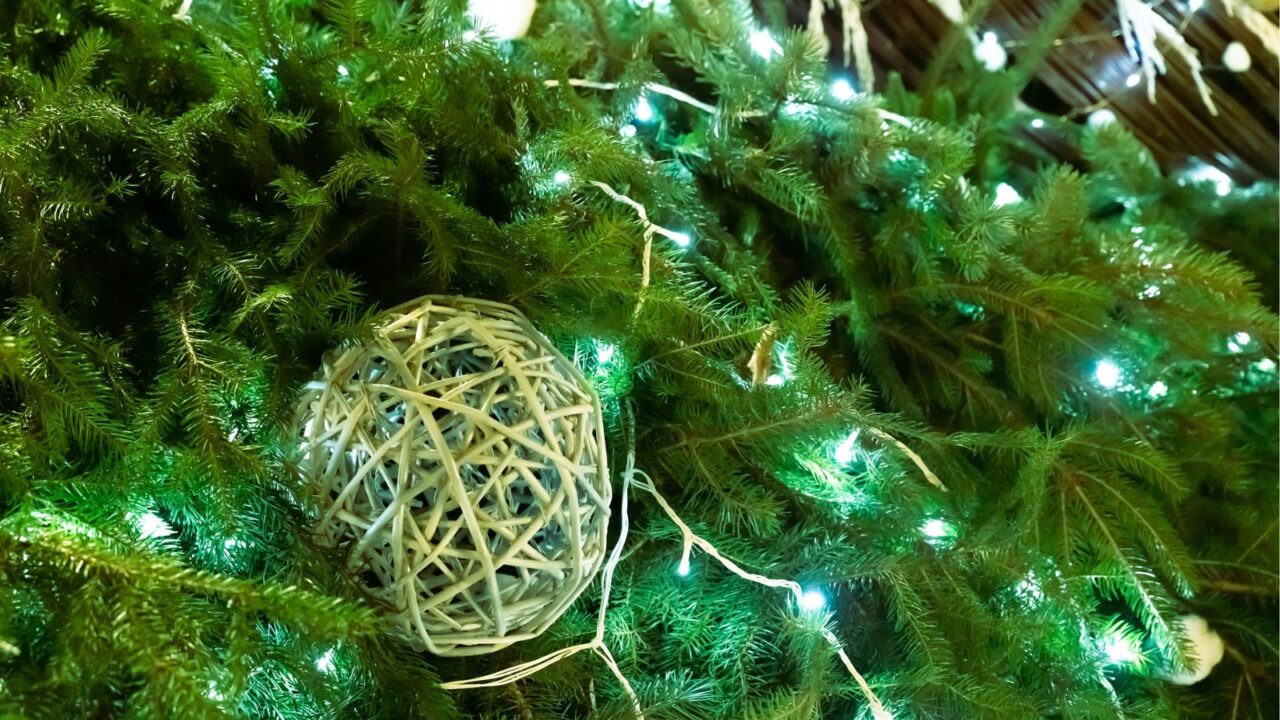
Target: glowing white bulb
{"points": [[1121, 649], [683, 568], [847, 448], [343, 71], [812, 600], [1157, 390], [1151, 291], [151, 525], [775, 380], [1100, 118], [562, 177], [1133, 80], [1038, 123], [504, 19], [1107, 373], [1006, 195], [842, 90], [627, 131], [643, 111], [1202, 172], [681, 239], [763, 44], [936, 528], [1236, 57], [991, 53], [605, 352], [1265, 364], [325, 663]]}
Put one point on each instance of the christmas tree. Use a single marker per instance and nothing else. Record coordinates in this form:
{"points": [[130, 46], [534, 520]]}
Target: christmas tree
{"points": [[905, 417]]}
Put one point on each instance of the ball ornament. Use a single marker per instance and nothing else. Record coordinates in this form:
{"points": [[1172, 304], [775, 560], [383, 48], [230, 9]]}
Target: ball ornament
{"points": [[460, 459]]}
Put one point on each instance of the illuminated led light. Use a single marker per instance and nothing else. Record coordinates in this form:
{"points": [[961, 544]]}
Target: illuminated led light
{"points": [[627, 131], [1133, 80], [1157, 390], [842, 90], [763, 44], [342, 70], [562, 177], [1265, 365], [1236, 57], [991, 53], [775, 380], [1006, 195], [643, 111], [683, 568], [936, 529], [1107, 373], [1121, 649], [605, 352], [681, 239], [1099, 118], [847, 448], [1205, 173], [325, 663], [1037, 124], [1150, 292], [151, 525], [812, 601]]}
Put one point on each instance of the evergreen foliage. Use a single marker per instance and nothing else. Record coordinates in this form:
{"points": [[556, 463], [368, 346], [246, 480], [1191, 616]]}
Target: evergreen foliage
{"points": [[192, 211]]}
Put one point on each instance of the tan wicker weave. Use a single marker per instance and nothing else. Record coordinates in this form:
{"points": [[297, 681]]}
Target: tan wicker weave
{"points": [[462, 462]]}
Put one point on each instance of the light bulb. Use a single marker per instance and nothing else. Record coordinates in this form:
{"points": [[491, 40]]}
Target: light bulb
{"points": [[325, 663], [1006, 195], [991, 53], [605, 352], [1038, 123], [681, 239], [683, 568], [1157, 390], [1121, 649], [151, 525], [1133, 80], [1107, 373], [1236, 57], [1202, 172], [812, 600], [936, 529], [1101, 118], [763, 44], [842, 90], [503, 19], [643, 111], [562, 177], [846, 450]]}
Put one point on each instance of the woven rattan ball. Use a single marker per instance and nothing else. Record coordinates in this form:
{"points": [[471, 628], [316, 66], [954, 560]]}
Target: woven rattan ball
{"points": [[461, 462]]}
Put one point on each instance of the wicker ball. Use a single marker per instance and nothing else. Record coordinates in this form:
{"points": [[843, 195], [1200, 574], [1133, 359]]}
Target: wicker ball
{"points": [[461, 461]]}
